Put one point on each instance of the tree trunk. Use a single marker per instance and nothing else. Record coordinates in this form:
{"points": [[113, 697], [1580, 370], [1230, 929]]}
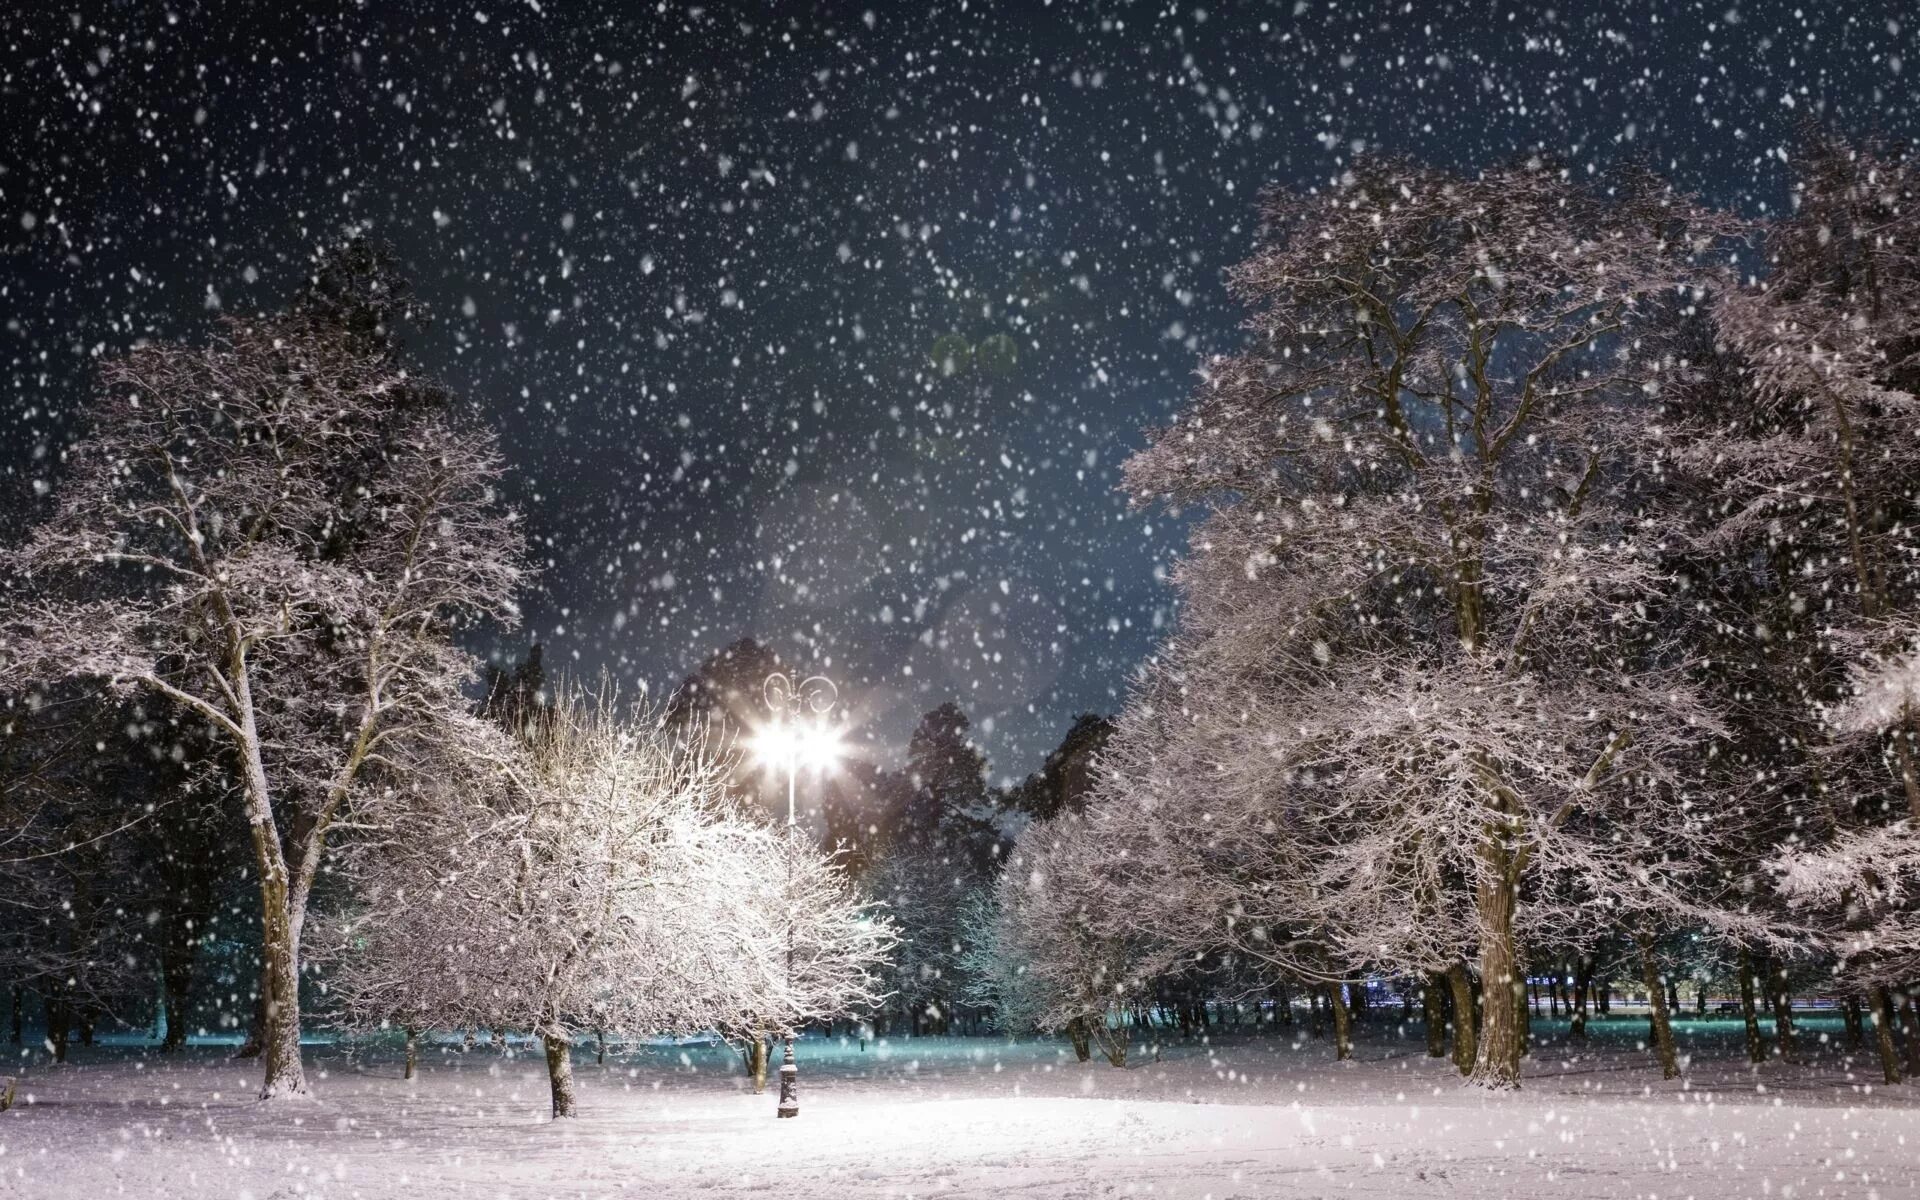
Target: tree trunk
{"points": [[1434, 1005], [279, 923], [1910, 1030], [1856, 1029], [1342, 1023], [1577, 1003], [1657, 997], [188, 874], [1113, 1038], [600, 1047], [1497, 1063], [18, 996], [57, 1024], [176, 980], [1783, 1034], [1077, 1034], [1313, 1012], [757, 1064], [1460, 987], [1604, 1001], [1879, 1008], [1756, 1044], [1283, 1004], [560, 1073], [413, 1051], [280, 1041], [256, 1023], [1522, 1014]]}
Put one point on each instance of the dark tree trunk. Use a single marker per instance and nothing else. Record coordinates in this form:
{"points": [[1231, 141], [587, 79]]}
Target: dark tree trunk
{"points": [[1756, 1044], [1577, 1003], [1783, 1033], [1850, 1015], [1082, 1043], [1283, 1003], [1313, 1011], [1605, 1002], [560, 1074], [1910, 1030], [1880, 1008], [413, 1051], [600, 1047], [256, 1038], [176, 982], [1433, 1001], [1342, 1023], [57, 1024], [1113, 1038], [1460, 988], [1658, 994], [1523, 1013], [190, 872], [18, 997]]}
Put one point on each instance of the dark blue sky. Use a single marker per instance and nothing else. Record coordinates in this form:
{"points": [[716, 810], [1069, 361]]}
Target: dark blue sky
{"points": [[706, 267]]}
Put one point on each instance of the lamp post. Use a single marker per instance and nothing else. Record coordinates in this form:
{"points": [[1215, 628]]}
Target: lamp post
{"points": [[799, 731]]}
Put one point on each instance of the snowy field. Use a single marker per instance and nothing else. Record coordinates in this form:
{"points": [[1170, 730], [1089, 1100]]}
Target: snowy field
{"points": [[1247, 1116]]}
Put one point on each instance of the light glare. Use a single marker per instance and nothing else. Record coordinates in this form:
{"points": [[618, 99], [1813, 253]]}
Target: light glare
{"points": [[795, 745]]}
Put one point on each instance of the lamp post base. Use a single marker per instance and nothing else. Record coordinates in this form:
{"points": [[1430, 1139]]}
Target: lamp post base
{"points": [[789, 1082]]}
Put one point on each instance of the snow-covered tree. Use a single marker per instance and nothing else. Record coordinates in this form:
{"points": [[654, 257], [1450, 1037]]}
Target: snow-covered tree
{"points": [[1420, 669], [564, 894], [276, 531], [604, 879], [810, 948], [1068, 952], [1810, 458]]}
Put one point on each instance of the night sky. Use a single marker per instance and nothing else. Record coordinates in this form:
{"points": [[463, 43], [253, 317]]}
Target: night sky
{"points": [[826, 325]]}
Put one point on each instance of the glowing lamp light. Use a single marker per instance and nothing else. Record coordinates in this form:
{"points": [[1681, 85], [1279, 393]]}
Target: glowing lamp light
{"points": [[794, 745]]}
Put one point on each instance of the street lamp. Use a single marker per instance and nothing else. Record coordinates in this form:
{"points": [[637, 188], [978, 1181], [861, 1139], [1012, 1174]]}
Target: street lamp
{"points": [[798, 736]]}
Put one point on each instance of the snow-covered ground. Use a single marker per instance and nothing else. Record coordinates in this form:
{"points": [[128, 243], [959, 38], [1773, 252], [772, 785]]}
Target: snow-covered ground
{"points": [[1246, 1116]]}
